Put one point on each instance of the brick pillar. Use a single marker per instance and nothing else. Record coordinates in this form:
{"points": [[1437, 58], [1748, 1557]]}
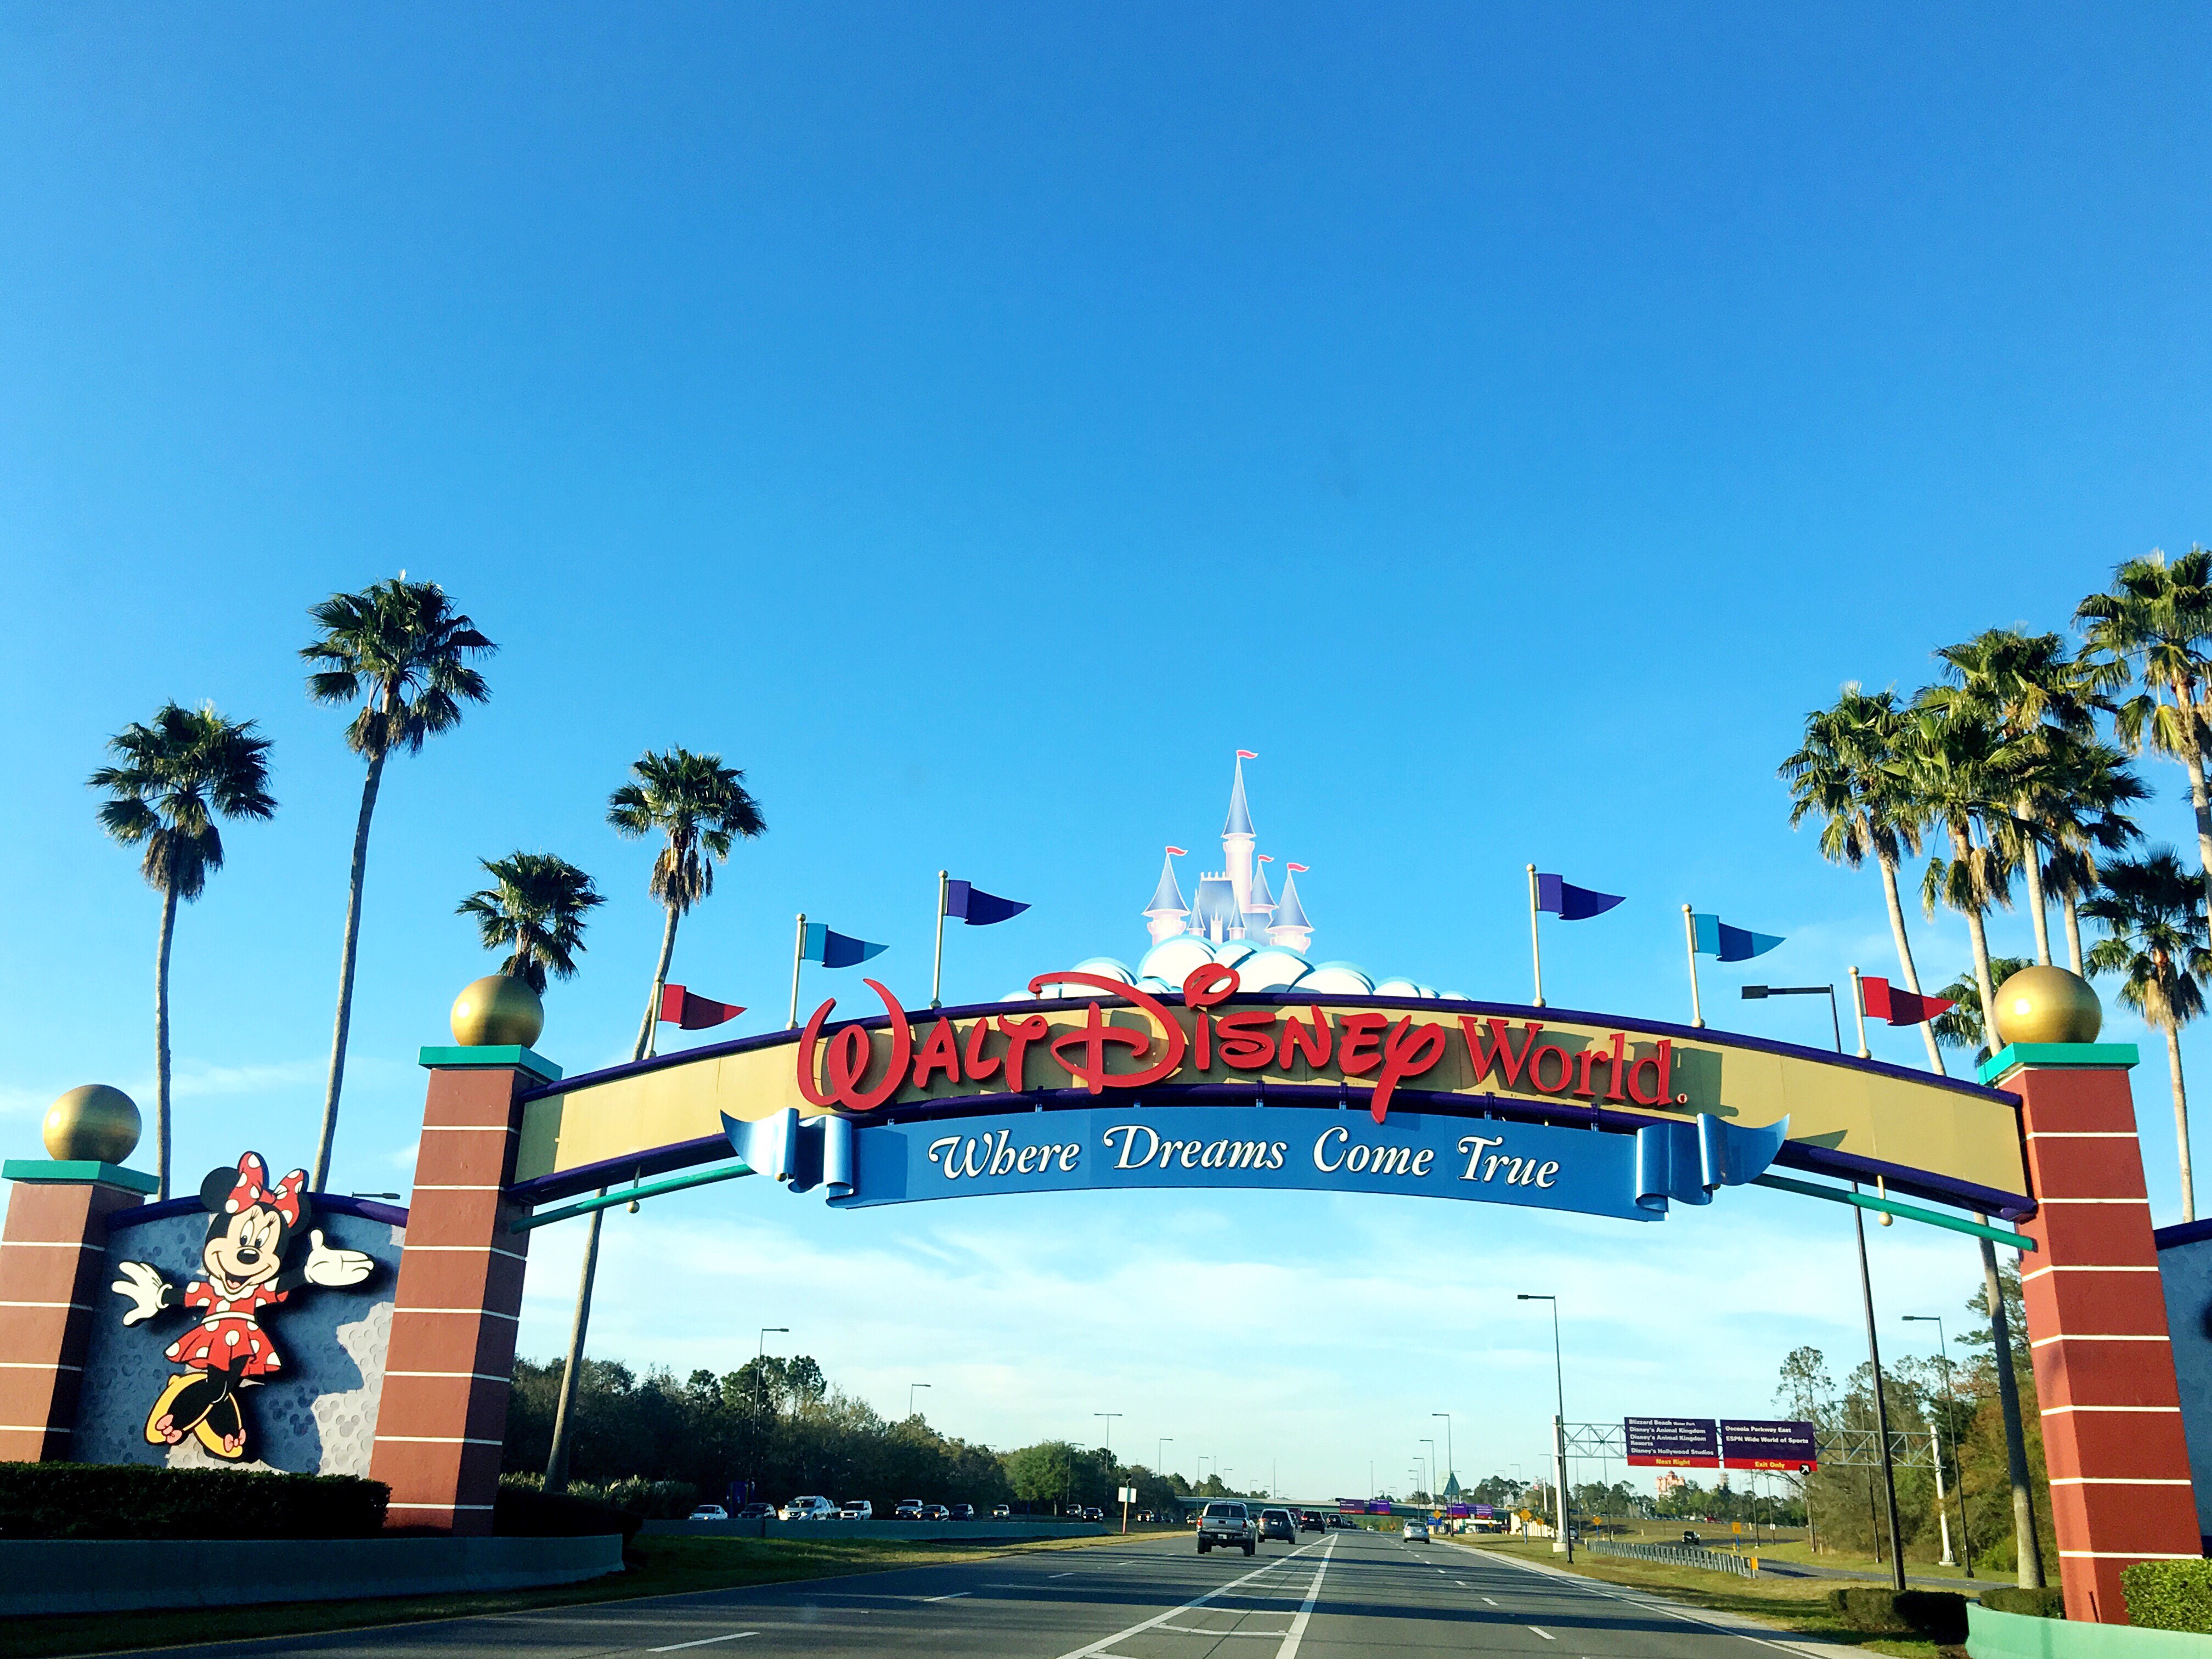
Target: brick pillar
{"points": [[2096, 1323], [54, 1284], [443, 1415]]}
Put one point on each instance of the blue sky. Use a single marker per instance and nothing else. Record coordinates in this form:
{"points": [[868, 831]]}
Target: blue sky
{"points": [[976, 421]]}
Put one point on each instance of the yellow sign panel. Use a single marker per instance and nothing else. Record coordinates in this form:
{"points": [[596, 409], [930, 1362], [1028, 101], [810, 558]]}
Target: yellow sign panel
{"points": [[1367, 1053]]}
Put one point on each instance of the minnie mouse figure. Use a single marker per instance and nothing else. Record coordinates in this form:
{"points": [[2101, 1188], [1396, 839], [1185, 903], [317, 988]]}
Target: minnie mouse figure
{"points": [[251, 1225]]}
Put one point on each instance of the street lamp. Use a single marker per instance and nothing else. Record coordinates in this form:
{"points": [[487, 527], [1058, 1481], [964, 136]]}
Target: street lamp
{"points": [[1451, 1464], [910, 1388], [1160, 1457], [1759, 992], [1943, 1355], [1432, 1445], [1565, 1540], [760, 1378]]}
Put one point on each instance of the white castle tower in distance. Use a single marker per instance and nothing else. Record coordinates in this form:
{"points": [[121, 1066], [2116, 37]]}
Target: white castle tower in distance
{"points": [[1234, 903]]}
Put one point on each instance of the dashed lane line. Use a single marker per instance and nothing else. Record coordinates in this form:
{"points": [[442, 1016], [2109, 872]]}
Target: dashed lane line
{"points": [[1546, 1634], [954, 1596], [1103, 1648], [704, 1641]]}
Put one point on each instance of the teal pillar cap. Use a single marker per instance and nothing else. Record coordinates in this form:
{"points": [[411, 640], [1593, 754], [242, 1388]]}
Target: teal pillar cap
{"points": [[76, 1172], [2058, 1056], [501, 1056]]}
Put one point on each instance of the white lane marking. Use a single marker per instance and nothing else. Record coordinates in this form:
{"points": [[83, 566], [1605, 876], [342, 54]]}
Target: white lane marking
{"points": [[1590, 1585], [704, 1641], [1101, 1648], [1546, 1634], [1196, 1630], [955, 1596], [1492, 1602], [1070, 1573], [1297, 1631]]}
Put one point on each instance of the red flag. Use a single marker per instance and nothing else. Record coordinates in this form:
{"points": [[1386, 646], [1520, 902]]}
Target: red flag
{"points": [[1246, 754], [1177, 852], [679, 1007], [1300, 868], [1882, 1001]]}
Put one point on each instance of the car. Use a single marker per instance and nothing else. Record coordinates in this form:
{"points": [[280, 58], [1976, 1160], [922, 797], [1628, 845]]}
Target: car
{"points": [[810, 1508], [935, 1512], [858, 1509], [1278, 1523], [909, 1508], [1002, 1512], [1092, 1512], [1229, 1524], [710, 1512], [758, 1513], [1690, 1535], [1338, 1523], [1417, 1531], [963, 1512], [1310, 1521]]}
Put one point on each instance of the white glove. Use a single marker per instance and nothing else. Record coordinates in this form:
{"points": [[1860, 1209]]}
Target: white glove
{"points": [[335, 1268], [148, 1292]]}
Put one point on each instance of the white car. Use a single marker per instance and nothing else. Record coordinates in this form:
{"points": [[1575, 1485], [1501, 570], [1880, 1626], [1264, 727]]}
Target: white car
{"points": [[710, 1512], [1416, 1531], [909, 1508], [858, 1509], [810, 1508]]}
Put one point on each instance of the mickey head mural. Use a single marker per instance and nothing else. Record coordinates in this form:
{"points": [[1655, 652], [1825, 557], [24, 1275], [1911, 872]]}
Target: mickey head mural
{"points": [[253, 1228]]}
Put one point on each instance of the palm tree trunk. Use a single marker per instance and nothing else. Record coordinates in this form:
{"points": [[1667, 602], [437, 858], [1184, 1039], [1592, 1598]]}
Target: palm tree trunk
{"points": [[2032, 867], [2027, 1546], [564, 1415], [2180, 1121], [652, 1022], [2192, 757], [2072, 905], [1905, 958], [329, 1127], [161, 1040]]}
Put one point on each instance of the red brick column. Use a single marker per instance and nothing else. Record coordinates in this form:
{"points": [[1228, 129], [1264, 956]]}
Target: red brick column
{"points": [[2096, 1323], [54, 1284], [443, 1415]]}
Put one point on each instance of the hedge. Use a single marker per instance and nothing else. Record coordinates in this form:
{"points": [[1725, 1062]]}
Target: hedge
{"points": [[523, 1512], [2049, 1603], [144, 1500], [2169, 1594], [1933, 1615]]}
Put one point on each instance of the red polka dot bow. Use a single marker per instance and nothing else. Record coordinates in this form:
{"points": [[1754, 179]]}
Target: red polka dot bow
{"points": [[253, 1188]]}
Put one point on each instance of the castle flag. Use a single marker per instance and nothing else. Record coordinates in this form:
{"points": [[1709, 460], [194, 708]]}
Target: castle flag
{"points": [[834, 949], [1882, 1001], [679, 1007], [1569, 902], [1715, 938], [978, 908]]}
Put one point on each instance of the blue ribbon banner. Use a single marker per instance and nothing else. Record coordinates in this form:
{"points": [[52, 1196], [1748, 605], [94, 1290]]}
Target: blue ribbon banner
{"points": [[1633, 1177]]}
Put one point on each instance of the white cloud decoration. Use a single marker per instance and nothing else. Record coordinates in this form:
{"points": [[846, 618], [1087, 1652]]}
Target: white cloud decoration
{"points": [[1259, 967]]}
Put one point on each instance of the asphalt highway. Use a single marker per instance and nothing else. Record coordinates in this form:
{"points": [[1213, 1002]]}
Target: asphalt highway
{"points": [[1336, 1595]]}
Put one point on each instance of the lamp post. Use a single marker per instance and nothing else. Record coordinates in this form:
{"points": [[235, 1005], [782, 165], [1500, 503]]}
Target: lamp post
{"points": [[760, 1369], [1565, 1542], [1160, 1456], [1965, 1537], [1451, 1464], [1432, 1445], [1758, 993], [910, 1388]]}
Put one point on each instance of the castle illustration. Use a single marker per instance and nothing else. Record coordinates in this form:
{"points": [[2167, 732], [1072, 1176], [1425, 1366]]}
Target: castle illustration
{"points": [[1235, 901]]}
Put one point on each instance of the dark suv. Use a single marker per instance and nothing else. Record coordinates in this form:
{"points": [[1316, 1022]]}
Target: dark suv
{"points": [[1278, 1523]]}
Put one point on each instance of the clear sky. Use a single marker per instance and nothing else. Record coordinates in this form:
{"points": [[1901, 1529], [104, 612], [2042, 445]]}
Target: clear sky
{"points": [[976, 421]]}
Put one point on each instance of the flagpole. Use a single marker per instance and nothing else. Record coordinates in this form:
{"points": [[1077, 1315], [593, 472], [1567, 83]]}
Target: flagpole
{"points": [[1858, 1008], [937, 962], [1535, 942], [1689, 937], [798, 952]]}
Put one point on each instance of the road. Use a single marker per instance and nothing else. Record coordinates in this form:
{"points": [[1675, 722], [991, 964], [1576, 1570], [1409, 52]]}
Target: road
{"points": [[1338, 1595]]}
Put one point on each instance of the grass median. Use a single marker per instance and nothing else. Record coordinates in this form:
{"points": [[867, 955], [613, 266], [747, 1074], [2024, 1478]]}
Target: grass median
{"points": [[670, 1565], [1798, 1606]]}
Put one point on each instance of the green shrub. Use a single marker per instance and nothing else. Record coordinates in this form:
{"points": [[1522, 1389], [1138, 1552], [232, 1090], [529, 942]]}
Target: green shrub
{"points": [[2049, 1603], [523, 1511], [145, 1500], [2169, 1594], [1933, 1615]]}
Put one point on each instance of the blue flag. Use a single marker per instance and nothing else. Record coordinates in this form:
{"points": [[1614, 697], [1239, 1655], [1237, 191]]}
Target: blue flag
{"points": [[1569, 902], [835, 949], [1716, 938], [977, 907]]}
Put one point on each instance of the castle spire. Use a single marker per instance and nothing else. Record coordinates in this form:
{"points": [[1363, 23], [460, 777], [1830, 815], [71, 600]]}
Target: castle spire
{"points": [[1291, 929], [1240, 815], [1238, 838], [1167, 914]]}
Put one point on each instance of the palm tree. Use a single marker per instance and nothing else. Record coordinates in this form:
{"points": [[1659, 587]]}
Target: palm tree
{"points": [[1843, 775], [1958, 767], [2075, 801], [401, 649], [1960, 1025], [2039, 698], [173, 778], [700, 807], [536, 909], [2151, 910], [2154, 624]]}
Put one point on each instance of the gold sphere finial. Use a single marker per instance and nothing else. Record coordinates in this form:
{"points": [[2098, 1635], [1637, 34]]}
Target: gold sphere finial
{"points": [[93, 1124], [2047, 1005], [498, 1011]]}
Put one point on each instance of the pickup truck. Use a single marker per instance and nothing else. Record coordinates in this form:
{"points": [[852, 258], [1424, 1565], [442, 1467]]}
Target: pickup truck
{"points": [[1227, 1524]]}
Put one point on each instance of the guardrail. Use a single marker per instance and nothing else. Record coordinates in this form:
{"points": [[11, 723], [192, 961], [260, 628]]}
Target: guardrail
{"points": [[1680, 1555]]}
